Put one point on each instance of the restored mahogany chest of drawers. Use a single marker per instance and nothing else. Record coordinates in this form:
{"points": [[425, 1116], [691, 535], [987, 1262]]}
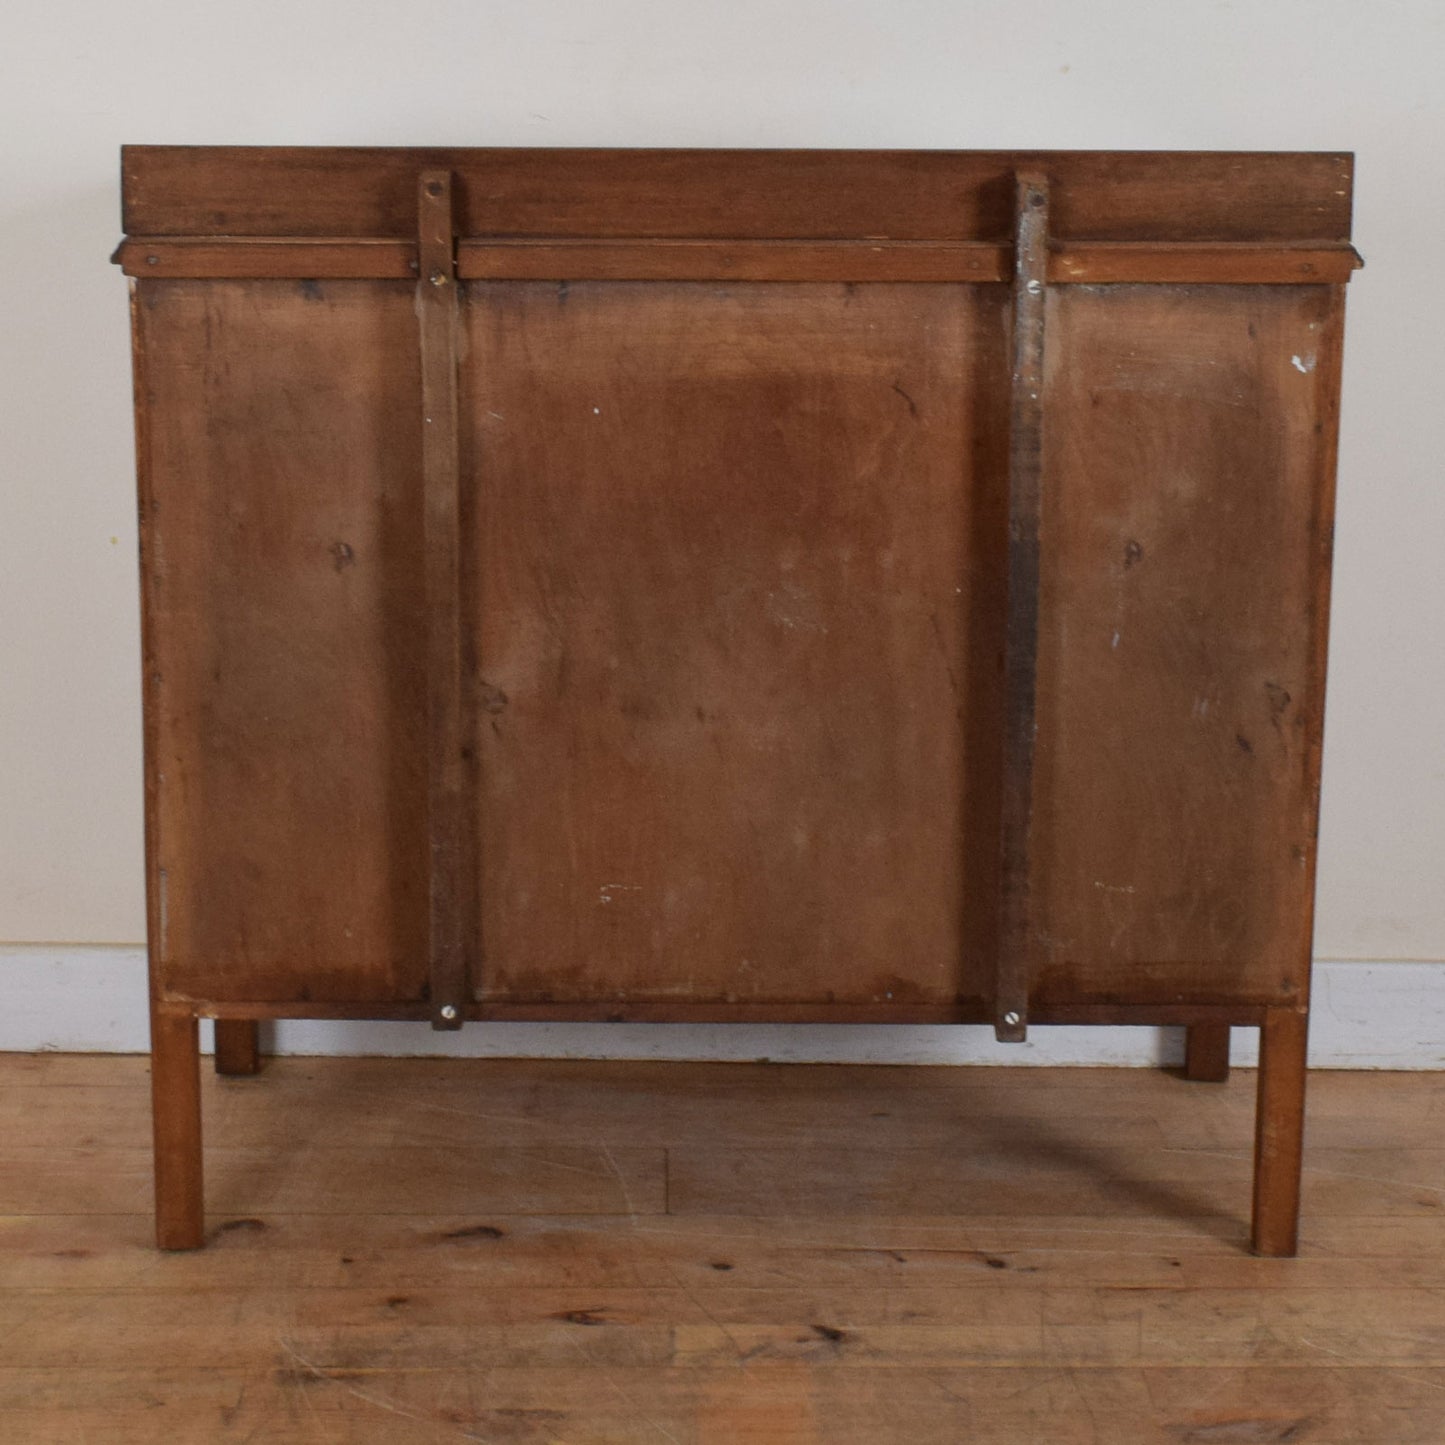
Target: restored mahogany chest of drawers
{"points": [[676, 585]]}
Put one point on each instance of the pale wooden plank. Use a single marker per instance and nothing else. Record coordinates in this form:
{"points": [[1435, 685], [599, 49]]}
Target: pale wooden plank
{"points": [[1047, 1174], [712, 1253], [861, 1327], [1373, 1093], [545, 1178], [640, 1103], [782, 1403], [322, 1317]]}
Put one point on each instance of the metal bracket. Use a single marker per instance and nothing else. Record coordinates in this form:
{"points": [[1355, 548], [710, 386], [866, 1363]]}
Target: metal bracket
{"points": [[1026, 418]]}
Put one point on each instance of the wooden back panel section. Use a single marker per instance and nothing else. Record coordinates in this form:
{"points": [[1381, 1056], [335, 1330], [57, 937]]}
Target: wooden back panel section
{"points": [[284, 676], [1188, 520], [739, 601]]}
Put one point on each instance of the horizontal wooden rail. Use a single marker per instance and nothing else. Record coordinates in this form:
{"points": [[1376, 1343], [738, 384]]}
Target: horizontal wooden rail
{"points": [[1157, 196], [215, 258], [523, 1010], [666, 259]]}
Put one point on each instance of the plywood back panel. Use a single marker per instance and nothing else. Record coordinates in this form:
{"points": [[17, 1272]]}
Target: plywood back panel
{"points": [[739, 557], [733, 582], [1189, 482], [282, 566]]}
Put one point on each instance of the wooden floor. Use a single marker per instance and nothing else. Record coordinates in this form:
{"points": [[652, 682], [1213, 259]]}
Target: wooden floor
{"points": [[431, 1251]]}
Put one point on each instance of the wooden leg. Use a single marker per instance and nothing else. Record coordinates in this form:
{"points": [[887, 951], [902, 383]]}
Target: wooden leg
{"points": [[238, 1049], [1206, 1053], [176, 1112], [1279, 1131]]}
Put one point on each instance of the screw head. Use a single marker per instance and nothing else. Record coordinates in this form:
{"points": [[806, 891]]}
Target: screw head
{"points": [[438, 278], [1012, 1019], [448, 1011]]}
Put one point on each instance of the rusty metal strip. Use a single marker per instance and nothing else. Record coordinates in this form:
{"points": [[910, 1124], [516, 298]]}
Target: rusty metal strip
{"points": [[441, 472], [1025, 456]]}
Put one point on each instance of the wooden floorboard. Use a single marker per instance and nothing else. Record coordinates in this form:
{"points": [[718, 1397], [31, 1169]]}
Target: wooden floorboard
{"points": [[589, 1253]]}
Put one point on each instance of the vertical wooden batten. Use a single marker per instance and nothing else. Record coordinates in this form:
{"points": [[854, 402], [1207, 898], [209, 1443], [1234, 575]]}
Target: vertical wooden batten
{"points": [[448, 863], [1021, 640]]}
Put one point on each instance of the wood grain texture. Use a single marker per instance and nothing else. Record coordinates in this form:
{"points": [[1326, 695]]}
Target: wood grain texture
{"points": [[699, 602], [614, 1010], [1279, 1132], [317, 258], [176, 1132], [738, 692], [736, 607], [737, 194], [451, 926], [673, 259], [1206, 1053], [1190, 464], [569, 1313], [282, 578], [1015, 946], [238, 1046]]}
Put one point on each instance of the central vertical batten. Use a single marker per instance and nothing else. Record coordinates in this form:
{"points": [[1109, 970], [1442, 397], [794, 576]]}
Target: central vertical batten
{"points": [[1021, 623], [449, 870]]}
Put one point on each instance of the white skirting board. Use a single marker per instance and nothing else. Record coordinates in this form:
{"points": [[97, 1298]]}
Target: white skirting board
{"points": [[92, 999]]}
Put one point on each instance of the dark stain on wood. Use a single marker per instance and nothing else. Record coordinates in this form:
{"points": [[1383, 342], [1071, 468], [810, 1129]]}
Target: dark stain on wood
{"points": [[1244, 1430], [912, 405], [476, 1231]]}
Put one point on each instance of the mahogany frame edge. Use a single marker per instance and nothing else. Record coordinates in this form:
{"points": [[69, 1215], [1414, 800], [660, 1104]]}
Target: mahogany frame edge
{"points": [[669, 259], [970, 1012], [897, 193]]}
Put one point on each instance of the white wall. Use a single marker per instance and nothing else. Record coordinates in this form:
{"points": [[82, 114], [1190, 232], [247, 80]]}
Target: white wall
{"points": [[80, 78]]}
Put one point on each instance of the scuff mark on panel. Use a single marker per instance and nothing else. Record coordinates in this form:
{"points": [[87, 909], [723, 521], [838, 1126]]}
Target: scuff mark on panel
{"points": [[607, 892], [163, 911]]}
